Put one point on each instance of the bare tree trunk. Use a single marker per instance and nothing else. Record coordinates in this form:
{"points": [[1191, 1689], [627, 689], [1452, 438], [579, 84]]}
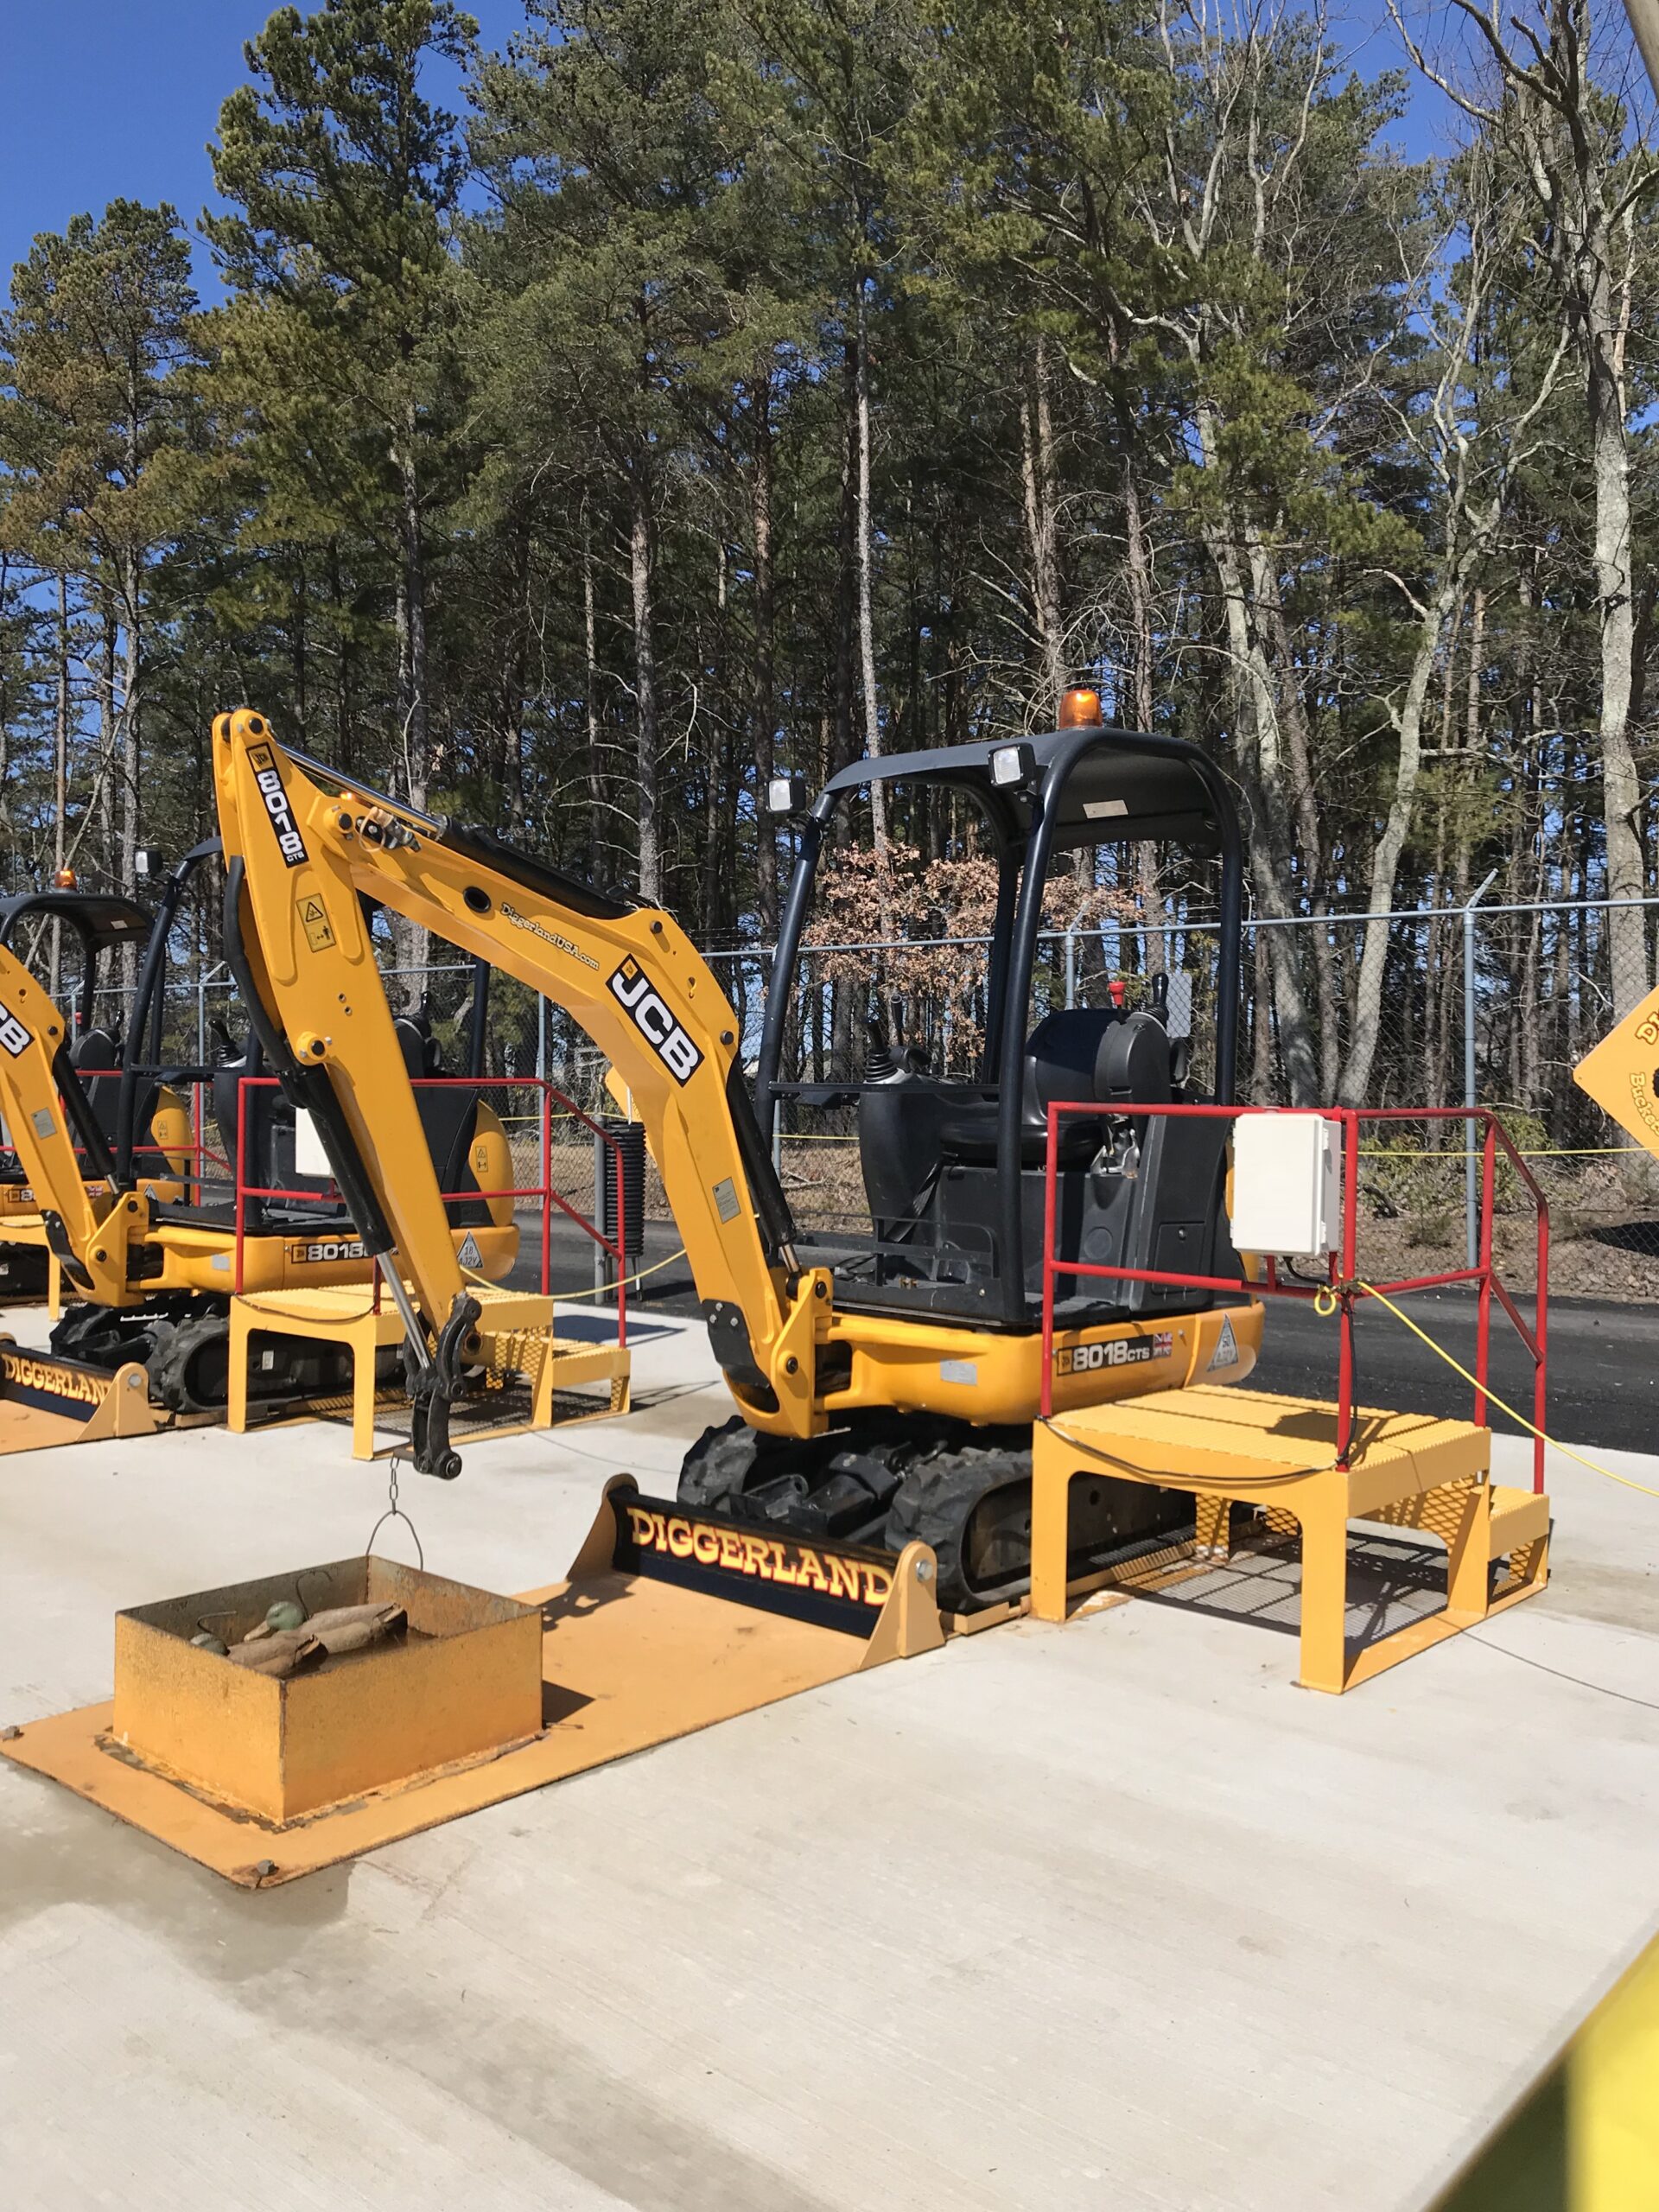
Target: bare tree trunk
{"points": [[345, 694], [297, 649], [106, 738], [1408, 718], [1269, 829], [763, 701], [61, 768], [1261, 1023], [1621, 786], [131, 678], [410, 940], [590, 704], [866, 565], [1436, 995], [645, 685], [1042, 533], [412, 704], [1138, 566]]}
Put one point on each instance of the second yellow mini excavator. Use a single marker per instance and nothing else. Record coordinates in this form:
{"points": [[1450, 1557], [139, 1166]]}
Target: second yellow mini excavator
{"points": [[886, 1384], [150, 1236]]}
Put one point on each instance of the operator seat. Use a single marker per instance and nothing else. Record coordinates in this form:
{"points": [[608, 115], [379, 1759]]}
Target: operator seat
{"points": [[267, 1119], [1079, 1054], [96, 1052]]}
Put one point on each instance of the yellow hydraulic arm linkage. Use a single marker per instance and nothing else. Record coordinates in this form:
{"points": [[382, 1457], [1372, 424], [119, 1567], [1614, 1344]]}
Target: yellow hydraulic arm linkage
{"points": [[302, 846]]}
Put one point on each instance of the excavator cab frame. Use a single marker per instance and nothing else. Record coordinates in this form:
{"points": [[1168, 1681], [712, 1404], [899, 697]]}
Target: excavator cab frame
{"points": [[953, 1168]]}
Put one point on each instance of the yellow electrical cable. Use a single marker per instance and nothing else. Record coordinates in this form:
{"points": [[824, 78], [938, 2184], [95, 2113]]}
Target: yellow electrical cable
{"points": [[599, 1290], [1457, 1366]]}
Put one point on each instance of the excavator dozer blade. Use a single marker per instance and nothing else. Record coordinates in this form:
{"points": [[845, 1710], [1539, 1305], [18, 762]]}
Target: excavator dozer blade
{"points": [[668, 1622], [45, 1400]]}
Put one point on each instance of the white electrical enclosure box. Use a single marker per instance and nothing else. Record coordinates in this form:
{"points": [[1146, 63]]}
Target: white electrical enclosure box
{"points": [[1287, 1185], [309, 1158]]}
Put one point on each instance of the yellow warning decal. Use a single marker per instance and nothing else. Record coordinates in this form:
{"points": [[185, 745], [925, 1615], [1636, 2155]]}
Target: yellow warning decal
{"points": [[313, 920], [1619, 1073]]}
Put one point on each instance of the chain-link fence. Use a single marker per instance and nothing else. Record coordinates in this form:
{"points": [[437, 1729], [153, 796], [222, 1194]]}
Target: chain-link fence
{"points": [[1487, 1004], [1491, 1005]]}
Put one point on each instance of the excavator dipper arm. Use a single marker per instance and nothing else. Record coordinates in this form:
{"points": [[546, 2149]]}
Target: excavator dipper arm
{"points": [[304, 845]]}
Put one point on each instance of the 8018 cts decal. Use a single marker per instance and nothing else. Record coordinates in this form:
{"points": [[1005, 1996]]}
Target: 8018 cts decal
{"points": [[268, 776], [631, 988], [326, 1249], [1116, 1351]]}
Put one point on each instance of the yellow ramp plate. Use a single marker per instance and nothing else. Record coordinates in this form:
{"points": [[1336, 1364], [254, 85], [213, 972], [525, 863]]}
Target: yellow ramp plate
{"points": [[665, 1625], [47, 1400]]}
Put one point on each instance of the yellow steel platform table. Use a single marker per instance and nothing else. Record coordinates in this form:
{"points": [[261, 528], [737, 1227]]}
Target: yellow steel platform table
{"points": [[1280, 1454], [512, 1326]]}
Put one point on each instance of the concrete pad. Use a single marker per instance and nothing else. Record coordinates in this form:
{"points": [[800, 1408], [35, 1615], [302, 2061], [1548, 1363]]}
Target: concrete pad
{"points": [[1110, 1914]]}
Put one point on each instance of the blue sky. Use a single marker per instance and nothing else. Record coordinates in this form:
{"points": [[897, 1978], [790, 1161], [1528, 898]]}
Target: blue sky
{"points": [[100, 99]]}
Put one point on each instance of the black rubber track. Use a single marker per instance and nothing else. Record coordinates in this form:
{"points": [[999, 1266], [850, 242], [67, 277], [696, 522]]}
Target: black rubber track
{"points": [[935, 1504]]}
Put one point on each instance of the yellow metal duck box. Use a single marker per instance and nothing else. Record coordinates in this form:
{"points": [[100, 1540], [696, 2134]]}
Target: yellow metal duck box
{"points": [[463, 1682]]}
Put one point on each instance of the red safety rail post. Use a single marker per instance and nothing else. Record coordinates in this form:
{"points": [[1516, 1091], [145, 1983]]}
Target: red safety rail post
{"points": [[1344, 1280], [241, 1164], [1050, 1272], [1345, 1290], [1537, 1339], [546, 1180], [1540, 1348], [1484, 1312]]}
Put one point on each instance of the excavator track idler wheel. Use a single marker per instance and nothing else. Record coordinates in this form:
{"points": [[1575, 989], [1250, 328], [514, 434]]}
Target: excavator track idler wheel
{"points": [[972, 1506]]}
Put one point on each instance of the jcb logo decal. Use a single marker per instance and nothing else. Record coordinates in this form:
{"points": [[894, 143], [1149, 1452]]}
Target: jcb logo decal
{"points": [[13, 1035], [268, 776], [1118, 1352], [768, 1559], [631, 988]]}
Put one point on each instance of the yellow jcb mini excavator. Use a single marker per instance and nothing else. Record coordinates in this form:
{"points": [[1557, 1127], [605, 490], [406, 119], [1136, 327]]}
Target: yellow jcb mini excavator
{"points": [[150, 1275], [886, 1384]]}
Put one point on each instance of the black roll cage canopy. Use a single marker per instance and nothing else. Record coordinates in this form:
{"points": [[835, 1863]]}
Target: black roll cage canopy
{"points": [[97, 920], [1089, 786]]}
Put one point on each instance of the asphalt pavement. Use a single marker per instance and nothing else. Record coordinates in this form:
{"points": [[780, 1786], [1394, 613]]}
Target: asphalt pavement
{"points": [[1604, 1353]]}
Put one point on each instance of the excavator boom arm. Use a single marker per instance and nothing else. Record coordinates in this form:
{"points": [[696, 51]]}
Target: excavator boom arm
{"points": [[312, 845]]}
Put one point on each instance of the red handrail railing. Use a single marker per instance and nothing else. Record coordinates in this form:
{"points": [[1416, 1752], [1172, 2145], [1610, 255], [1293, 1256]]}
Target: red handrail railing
{"points": [[1342, 1268], [549, 1093]]}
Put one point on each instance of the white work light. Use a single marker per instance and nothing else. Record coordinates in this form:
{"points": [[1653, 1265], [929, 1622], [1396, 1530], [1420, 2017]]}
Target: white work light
{"points": [[1012, 764]]}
